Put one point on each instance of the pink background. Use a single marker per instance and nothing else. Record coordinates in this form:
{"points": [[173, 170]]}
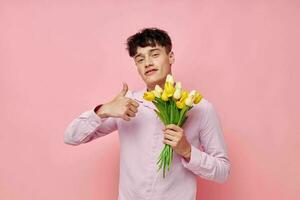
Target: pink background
{"points": [[60, 58]]}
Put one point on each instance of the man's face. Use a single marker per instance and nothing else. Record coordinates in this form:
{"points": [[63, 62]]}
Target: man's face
{"points": [[153, 64]]}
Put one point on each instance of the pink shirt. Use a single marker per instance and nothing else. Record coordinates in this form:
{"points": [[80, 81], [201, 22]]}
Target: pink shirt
{"points": [[141, 141]]}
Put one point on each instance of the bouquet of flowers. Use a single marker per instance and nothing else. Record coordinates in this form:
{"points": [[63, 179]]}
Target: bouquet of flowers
{"points": [[172, 104]]}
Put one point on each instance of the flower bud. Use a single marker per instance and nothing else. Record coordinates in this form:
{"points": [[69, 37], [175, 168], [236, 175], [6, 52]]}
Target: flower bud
{"points": [[177, 94], [189, 101], [180, 104], [169, 89], [149, 96], [170, 79], [178, 85], [158, 89], [198, 98], [164, 96]]}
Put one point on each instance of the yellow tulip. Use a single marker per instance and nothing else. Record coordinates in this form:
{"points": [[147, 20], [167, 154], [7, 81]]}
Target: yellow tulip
{"points": [[181, 103], [184, 95], [164, 96], [198, 98], [149, 96], [169, 89]]}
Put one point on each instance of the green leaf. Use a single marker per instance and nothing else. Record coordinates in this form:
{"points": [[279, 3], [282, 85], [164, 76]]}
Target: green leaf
{"points": [[181, 115], [182, 122], [168, 159], [176, 113], [167, 153], [161, 163], [167, 112], [160, 116], [161, 160], [164, 164], [162, 112], [160, 101], [171, 156], [171, 112], [158, 106]]}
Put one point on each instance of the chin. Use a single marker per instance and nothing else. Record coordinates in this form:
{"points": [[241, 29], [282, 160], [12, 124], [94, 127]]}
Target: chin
{"points": [[155, 78], [153, 81]]}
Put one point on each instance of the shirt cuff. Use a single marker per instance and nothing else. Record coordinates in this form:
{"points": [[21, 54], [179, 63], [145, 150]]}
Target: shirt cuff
{"points": [[97, 108], [93, 117], [195, 159]]}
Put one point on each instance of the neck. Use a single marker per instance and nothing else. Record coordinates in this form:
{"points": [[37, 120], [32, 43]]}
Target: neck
{"points": [[161, 83], [152, 87]]}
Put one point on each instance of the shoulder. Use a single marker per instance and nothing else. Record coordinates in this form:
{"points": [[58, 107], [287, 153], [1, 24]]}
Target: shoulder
{"points": [[209, 114], [204, 110], [204, 106]]}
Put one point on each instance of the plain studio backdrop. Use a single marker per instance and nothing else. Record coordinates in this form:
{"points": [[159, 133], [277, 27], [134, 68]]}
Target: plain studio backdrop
{"points": [[60, 58]]}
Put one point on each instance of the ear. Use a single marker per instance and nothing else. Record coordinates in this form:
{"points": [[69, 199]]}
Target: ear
{"points": [[171, 57]]}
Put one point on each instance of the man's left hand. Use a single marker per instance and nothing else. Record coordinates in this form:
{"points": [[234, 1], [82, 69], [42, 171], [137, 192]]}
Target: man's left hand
{"points": [[175, 137]]}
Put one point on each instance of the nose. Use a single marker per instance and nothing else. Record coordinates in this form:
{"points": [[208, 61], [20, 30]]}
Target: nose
{"points": [[148, 62]]}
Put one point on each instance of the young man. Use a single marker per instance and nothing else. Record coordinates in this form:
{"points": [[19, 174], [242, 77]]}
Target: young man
{"points": [[143, 136]]}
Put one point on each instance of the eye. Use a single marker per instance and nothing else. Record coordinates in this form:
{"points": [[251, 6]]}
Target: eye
{"points": [[155, 55], [140, 60]]}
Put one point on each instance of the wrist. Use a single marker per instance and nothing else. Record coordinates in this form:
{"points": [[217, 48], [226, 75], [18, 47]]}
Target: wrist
{"points": [[187, 154], [101, 111]]}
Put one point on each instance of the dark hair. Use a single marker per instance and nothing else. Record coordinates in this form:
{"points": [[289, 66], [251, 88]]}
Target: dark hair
{"points": [[148, 37]]}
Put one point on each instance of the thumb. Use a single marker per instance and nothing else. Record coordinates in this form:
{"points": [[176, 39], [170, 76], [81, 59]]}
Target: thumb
{"points": [[124, 90]]}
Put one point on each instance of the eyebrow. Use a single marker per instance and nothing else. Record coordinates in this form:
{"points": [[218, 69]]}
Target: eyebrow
{"points": [[150, 51]]}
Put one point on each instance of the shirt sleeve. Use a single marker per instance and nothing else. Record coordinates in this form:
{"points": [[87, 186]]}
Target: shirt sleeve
{"points": [[212, 163], [88, 126]]}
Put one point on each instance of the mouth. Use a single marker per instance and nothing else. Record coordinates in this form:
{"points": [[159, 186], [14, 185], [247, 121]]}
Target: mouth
{"points": [[150, 72]]}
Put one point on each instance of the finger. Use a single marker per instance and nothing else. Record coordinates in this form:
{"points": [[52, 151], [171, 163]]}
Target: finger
{"points": [[130, 113], [172, 144], [173, 127], [134, 103], [170, 137], [124, 90], [132, 108], [125, 117], [171, 132]]}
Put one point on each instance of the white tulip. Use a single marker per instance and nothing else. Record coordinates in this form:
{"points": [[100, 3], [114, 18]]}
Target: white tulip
{"points": [[192, 93], [156, 94], [157, 91], [177, 94], [170, 79], [189, 101], [178, 85]]}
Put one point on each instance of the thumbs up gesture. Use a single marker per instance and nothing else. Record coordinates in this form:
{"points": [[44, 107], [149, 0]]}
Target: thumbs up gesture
{"points": [[120, 106]]}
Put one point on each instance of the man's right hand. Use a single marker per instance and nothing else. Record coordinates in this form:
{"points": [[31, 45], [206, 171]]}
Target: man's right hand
{"points": [[120, 106]]}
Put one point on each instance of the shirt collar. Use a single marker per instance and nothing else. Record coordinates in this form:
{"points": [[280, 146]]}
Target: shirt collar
{"points": [[138, 96]]}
